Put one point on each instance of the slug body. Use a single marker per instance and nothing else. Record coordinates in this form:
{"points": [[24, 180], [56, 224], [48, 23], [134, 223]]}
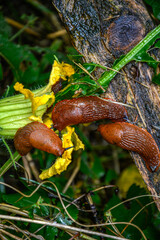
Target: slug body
{"points": [[57, 86], [39, 136], [133, 138], [85, 110]]}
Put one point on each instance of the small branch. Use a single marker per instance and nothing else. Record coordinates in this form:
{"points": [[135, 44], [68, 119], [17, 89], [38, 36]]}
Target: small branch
{"points": [[72, 176], [22, 27], [57, 34], [61, 226]]}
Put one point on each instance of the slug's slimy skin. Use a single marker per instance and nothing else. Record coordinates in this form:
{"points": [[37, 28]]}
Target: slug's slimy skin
{"points": [[57, 86], [39, 136], [85, 110], [133, 138]]}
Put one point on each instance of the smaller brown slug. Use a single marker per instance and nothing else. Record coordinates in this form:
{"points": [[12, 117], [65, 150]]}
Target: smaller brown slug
{"points": [[57, 86], [133, 138], [86, 109], [39, 136]]}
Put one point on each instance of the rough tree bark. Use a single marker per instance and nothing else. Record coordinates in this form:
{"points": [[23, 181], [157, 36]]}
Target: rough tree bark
{"points": [[102, 30]]}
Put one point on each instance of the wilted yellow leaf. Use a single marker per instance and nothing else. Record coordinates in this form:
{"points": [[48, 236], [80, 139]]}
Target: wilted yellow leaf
{"points": [[69, 139], [60, 70], [128, 177], [36, 101]]}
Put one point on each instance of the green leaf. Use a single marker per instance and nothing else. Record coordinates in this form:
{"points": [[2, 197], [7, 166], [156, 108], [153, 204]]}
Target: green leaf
{"points": [[156, 221], [156, 79], [157, 44], [56, 45], [4, 168], [77, 58], [31, 75], [6, 51], [25, 202], [85, 168], [23, 63], [155, 6], [90, 67], [83, 138], [73, 211], [151, 233], [5, 29], [63, 220], [110, 175], [144, 217], [97, 167], [130, 210], [2, 188], [117, 211], [1, 72], [50, 232]]}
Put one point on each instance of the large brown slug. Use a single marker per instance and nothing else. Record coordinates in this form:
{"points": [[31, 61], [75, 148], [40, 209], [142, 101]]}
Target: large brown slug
{"points": [[85, 110], [133, 138]]}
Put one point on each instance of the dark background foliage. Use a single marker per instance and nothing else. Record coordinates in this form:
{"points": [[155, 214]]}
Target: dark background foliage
{"points": [[27, 56]]}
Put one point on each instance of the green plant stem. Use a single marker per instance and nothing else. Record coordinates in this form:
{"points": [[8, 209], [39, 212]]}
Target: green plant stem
{"points": [[107, 77], [23, 29], [39, 6], [10, 153], [9, 163]]}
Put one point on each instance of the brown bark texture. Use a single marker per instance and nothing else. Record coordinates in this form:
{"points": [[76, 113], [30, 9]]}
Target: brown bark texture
{"points": [[103, 30]]}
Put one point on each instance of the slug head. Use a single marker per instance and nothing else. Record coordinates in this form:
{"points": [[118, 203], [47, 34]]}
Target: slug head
{"points": [[153, 165], [46, 140], [66, 115]]}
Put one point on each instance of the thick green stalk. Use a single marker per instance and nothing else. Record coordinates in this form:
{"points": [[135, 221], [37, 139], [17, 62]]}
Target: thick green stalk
{"points": [[15, 112]]}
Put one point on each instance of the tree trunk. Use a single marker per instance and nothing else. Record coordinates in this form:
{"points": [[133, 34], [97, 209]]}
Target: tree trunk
{"points": [[103, 30]]}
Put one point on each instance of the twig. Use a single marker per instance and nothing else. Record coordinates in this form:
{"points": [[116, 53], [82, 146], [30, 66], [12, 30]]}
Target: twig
{"points": [[28, 173], [33, 167], [61, 226], [22, 27], [10, 235], [72, 176], [56, 34]]}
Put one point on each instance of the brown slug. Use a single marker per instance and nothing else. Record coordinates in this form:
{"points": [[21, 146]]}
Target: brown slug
{"points": [[39, 136], [57, 86], [133, 138], [86, 109]]}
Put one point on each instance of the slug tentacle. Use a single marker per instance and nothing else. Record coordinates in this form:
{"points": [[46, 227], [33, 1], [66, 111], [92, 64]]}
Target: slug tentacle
{"points": [[37, 135], [85, 110], [133, 138]]}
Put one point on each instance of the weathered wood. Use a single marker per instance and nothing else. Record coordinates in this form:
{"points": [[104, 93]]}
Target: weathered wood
{"points": [[102, 30]]}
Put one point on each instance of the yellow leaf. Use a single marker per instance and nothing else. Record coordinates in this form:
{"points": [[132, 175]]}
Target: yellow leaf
{"points": [[68, 69], [128, 177], [26, 92], [45, 99], [59, 166], [60, 70], [62, 163], [66, 142], [42, 100], [48, 121], [77, 142], [34, 118]]}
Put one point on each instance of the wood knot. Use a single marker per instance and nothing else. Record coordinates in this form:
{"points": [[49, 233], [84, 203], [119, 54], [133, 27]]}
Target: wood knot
{"points": [[124, 33]]}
